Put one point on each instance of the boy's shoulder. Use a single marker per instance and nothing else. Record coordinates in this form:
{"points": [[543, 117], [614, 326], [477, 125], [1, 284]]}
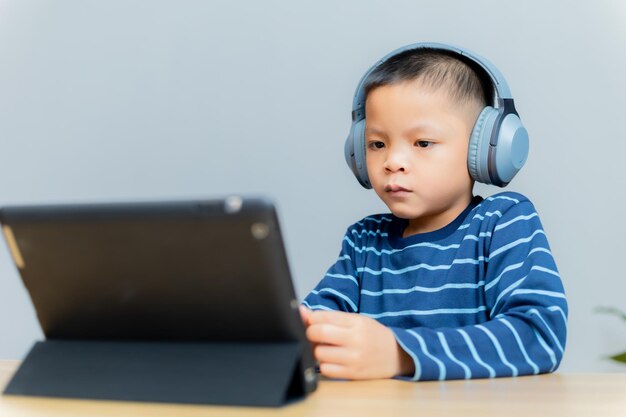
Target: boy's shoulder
{"points": [[504, 201], [375, 221], [500, 210], [371, 231], [372, 225]]}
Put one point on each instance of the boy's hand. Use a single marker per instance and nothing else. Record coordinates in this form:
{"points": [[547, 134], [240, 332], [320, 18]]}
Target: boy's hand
{"points": [[348, 345]]}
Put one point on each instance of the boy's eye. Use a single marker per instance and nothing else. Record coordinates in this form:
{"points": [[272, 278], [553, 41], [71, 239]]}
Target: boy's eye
{"points": [[423, 143], [376, 144]]}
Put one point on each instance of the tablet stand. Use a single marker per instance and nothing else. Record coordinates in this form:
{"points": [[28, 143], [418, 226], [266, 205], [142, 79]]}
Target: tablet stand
{"points": [[228, 373]]}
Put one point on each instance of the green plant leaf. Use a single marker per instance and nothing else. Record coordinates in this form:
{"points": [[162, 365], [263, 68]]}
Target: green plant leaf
{"points": [[611, 310], [620, 358], [615, 312]]}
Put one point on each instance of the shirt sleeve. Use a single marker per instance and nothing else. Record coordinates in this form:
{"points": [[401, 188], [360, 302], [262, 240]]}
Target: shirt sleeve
{"points": [[526, 305], [339, 288]]}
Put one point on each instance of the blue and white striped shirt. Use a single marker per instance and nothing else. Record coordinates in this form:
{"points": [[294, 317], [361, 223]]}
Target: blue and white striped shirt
{"points": [[481, 297]]}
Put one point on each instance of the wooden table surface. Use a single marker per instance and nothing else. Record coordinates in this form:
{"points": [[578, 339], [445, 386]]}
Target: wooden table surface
{"points": [[553, 395]]}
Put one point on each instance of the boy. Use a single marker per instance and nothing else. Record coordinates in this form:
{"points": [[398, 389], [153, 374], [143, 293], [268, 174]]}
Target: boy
{"points": [[448, 285]]}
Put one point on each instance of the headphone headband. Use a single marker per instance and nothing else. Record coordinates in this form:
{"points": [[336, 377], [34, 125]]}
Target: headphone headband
{"points": [[497, 79]]}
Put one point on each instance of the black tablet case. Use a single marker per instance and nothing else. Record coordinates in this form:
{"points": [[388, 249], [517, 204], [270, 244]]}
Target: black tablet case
{"points": [[185, 302]]}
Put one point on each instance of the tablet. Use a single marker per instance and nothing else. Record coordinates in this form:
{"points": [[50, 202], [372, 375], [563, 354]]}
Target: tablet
{"points": [[179, 301], [188, 270]]}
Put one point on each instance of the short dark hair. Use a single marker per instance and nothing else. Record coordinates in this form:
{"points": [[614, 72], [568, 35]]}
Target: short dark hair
{"points": [[464, 79]]}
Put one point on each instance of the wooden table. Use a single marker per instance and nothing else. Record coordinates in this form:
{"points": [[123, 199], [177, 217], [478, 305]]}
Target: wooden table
{"points": [[595, 395]]}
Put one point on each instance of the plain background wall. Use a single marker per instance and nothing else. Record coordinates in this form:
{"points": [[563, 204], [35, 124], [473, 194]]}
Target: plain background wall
{"points": [[116, 100]]}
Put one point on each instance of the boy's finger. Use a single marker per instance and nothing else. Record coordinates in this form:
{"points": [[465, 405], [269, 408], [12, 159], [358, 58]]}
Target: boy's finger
{"points": [[328, 334], [304, 314], [333, 370], [332, 354]]}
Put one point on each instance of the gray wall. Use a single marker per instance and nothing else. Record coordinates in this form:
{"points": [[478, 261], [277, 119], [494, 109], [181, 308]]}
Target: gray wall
{"points": [[115, 100]]}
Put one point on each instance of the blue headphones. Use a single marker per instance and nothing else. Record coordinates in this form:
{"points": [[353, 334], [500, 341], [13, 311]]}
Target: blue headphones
{"points": [[498, 145]]}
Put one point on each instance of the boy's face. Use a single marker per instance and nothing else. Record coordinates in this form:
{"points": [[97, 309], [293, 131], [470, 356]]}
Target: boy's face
{"points": [[416, 146]]}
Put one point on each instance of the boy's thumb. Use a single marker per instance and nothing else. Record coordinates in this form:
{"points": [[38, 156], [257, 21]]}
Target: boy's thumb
{"points": [[304, 314]]}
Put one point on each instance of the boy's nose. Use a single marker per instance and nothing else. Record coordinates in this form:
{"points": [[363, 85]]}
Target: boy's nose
{"points": [[396, 162]]}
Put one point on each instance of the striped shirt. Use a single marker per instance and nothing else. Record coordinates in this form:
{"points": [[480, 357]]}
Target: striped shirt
{"points": [[481, 297]]}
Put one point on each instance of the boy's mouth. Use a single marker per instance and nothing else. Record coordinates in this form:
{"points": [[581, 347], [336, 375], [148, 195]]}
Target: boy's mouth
{"points": [[395, 188]]}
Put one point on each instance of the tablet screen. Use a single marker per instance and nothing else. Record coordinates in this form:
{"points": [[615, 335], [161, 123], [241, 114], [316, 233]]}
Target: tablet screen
{"points": [[187, 270]]}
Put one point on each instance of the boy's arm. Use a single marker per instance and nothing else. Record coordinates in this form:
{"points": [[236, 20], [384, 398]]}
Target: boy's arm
{"points": [[526, 304], [339, 288]]}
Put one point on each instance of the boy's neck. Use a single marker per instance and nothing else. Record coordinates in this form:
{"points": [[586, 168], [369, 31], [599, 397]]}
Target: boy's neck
{"points": [[430, 223]]}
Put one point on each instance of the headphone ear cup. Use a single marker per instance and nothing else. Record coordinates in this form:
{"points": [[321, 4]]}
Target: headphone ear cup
{"points": [[478, 149], [354, 153], [512, 149], [348, 151], [359, 154]]}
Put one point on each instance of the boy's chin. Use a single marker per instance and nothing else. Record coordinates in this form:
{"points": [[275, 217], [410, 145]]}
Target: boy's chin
{"points": [[409, 211], [403, 214]]}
